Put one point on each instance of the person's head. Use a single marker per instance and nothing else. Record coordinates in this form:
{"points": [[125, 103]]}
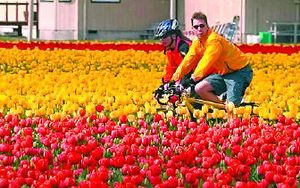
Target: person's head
{"points": [[199, 24], [167, 32]]}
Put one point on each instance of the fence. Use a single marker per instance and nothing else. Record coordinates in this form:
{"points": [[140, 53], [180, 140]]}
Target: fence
{"points": [[285, 32], [18, 11]]}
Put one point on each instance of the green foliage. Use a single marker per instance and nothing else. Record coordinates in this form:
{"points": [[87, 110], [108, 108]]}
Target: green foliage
{"points": [[82, 176], [108, 154], [228, 152], [254, 176], [117, 176]]}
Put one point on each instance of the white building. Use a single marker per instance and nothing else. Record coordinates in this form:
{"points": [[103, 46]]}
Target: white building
{"points": [[130, 19]]}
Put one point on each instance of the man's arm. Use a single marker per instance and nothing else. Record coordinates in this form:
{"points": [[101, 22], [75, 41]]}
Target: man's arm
{"points": [[170, 68], [186, 65], [210, 57]]}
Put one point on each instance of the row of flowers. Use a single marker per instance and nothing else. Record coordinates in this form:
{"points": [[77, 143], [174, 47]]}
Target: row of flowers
{"points": [[95, 151], [85, 118], [59, 82], [145, 46]]}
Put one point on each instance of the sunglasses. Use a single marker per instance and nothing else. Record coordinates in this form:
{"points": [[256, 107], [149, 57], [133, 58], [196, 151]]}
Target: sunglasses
{"points": [[198, 26]]}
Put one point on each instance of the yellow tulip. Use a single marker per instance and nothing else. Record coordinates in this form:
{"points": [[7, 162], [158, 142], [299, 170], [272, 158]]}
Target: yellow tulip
{"points": [[140, 115], [131, 118], [169, 114]]}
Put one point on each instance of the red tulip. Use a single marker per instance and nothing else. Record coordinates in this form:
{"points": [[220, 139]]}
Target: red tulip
{"points": [[155, 170], [99, 108], [155, 180], [157, 117], [190, 177], [82, 112], [74, 157], [171, 182], [41, 164], [123, 119]]}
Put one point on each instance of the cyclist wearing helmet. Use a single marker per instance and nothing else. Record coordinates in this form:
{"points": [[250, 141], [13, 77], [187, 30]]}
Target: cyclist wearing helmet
{"points": [[176, 47], [175, 43]]}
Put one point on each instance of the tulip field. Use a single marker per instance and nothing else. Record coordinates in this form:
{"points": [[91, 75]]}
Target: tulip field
{"points": [[80, 114]]}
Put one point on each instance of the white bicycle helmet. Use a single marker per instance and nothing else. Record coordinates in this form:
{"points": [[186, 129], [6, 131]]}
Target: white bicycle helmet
{"points": [[165, 28]]}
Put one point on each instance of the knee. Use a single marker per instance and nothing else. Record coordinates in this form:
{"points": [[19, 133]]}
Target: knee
{"points": [[203, 87]]}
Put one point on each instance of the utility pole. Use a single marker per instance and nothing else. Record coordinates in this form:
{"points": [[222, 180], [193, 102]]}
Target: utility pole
{"points": [[30, 20], [297, 3], [172, 9], [84, 24]]}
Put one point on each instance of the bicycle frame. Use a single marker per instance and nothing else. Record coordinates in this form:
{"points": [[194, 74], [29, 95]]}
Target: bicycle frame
{"points": [[190, 100], [184, 98], [167, 91]]}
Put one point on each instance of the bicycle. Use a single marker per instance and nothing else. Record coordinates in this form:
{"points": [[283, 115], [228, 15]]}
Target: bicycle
{"points": [[172, 94]]}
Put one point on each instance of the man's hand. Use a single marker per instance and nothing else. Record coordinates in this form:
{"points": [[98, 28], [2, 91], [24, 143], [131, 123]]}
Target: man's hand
{"points": [[195, 79], [192, 81], [175, 76]]}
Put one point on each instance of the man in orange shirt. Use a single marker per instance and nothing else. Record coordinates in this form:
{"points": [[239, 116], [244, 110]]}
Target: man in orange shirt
{"points": [[212, 51]]}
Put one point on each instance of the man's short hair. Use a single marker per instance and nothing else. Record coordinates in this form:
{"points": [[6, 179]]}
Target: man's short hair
{"points": [[199, 16]]}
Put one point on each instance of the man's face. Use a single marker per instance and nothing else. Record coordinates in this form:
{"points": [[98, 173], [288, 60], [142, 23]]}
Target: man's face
{"points": [[200, 28]]}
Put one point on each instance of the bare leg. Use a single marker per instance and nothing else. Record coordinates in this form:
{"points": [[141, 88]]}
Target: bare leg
{"points": [[205, 91]]}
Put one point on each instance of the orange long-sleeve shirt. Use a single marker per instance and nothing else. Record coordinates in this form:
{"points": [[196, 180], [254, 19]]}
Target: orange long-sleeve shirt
{"points": [[175, 57], [211, 52]]}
